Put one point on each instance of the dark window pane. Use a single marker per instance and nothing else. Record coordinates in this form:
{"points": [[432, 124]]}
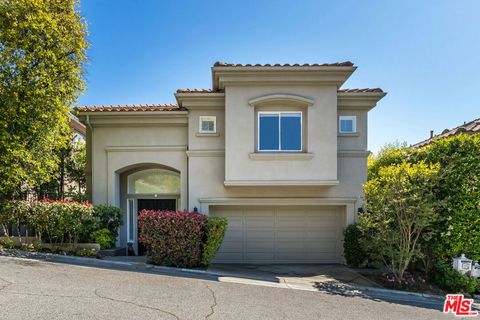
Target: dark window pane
{"points": [[268, 132], [291, 131]]}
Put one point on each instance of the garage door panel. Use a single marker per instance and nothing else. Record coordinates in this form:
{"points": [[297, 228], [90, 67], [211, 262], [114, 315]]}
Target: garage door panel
{"points": [[231, 246], [234, 235], [259, 235], [281, 235], [235, 222], [259, 222], [260, 256], [255, 246]]}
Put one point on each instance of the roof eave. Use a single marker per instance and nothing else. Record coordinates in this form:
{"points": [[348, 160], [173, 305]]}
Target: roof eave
{"points": [[335, 75]]}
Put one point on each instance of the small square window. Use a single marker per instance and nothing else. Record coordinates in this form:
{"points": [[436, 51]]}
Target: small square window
{"points": [[347, 124], [208, 124]]}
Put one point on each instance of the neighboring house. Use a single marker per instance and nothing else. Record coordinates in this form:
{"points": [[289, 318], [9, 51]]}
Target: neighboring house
{"points": [[471, 127], [77, 127], [279, 150]]}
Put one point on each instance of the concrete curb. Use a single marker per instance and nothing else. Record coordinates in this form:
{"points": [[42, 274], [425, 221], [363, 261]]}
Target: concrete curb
{"points": [[49, 257], [95, 262]]}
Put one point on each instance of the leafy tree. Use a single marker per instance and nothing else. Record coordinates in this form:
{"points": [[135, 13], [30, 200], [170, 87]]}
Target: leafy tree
{"points": [[75, 165], [400, 208], [42, 53]]}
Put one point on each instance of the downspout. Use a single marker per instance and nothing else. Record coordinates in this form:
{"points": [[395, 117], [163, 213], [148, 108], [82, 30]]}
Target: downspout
{"points": [[88, 122]]}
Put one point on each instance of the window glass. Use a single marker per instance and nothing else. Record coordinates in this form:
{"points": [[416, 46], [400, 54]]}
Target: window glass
{"points": [[158, 181], [131, 221], [280, 131], [208, 125], [291, 131], [269, 131], [347, 124]]}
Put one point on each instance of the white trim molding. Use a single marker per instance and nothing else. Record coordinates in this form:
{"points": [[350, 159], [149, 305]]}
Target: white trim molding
{"points": [[253, 183], [204, 134], [353, 153], [282, 98], [144, 148], [205, 153], [280, 156], [349, 202]]}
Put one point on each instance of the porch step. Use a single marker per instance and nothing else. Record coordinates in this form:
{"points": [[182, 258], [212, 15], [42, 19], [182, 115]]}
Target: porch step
{"points": [[113, 252]]}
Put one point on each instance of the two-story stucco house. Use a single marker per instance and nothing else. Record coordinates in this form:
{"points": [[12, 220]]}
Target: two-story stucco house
{"points": [[280, 150]]}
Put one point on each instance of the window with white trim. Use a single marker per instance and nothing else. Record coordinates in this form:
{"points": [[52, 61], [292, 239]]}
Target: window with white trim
{"points": [[208, 124], [130, 220], [347, 124], [279, 131]]}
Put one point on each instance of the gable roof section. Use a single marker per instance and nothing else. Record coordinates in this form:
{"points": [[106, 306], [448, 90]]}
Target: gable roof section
{"points": [[471, 127], [132, 108]]}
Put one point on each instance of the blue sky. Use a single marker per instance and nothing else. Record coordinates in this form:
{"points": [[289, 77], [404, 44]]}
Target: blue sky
{"points": [[423, 53]]}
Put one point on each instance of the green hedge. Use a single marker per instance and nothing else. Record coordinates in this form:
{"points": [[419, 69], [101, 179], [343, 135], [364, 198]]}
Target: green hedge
{"points": [[457, 200], [354, 254], [104, 237], [61, 221], [214, 233]]}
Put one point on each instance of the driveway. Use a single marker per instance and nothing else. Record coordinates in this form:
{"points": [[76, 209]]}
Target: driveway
{"points": [[32, 289], [293, 276]]}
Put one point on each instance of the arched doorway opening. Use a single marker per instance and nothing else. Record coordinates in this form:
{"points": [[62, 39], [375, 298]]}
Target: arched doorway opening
{"points": [[150, 187]]}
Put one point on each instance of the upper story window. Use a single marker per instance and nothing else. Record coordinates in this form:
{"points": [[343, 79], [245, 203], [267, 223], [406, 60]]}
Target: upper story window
{"points": [[279, 131], [208, 124], [347, 124]]}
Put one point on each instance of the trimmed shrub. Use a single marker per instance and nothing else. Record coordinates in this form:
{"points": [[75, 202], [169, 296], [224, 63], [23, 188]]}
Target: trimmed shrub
{"points": [[108, 217], [453, 281], [354, 254], [214, 233], [172, 238], [14, 212], [61, 221], [104, 237]]}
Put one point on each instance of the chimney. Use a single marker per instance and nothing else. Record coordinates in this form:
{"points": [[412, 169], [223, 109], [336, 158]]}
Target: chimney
{"points": [[431, 134]]}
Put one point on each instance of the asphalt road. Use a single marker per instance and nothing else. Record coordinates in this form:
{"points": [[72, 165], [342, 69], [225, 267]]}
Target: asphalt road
{"points": [[31, 289]]}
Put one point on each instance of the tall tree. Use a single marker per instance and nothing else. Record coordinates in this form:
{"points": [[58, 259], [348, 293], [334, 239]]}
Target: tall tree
{"points": [[42, 54]]}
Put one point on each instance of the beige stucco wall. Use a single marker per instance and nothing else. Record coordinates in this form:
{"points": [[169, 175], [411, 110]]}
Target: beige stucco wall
{"points": [[321, 136], [117, 148], [117, 143]]}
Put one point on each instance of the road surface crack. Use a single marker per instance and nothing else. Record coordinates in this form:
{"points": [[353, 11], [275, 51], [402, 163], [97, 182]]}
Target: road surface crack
{"points": [[214, 304], [8, 284], [136, 304]]}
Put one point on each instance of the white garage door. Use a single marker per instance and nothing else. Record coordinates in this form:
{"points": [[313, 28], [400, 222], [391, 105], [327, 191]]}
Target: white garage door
{"points": [[281, 234]]}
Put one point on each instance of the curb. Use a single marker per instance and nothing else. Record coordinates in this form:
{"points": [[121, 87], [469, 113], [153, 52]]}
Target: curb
{"points": [[49, 257]]}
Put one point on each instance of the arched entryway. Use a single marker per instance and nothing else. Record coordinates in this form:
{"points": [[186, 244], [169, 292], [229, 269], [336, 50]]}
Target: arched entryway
{"points": [[151, 187]]}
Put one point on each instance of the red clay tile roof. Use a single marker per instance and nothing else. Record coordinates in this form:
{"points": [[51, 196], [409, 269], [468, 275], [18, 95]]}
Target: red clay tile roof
{"points": [[336, 64], [471, 127], [195, 90], [131, 108], [360, 90]]}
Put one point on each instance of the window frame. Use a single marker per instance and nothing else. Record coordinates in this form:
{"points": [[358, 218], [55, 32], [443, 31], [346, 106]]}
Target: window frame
{"points": [[259, 113], [354, 123], [131, 209], [207, 118]]}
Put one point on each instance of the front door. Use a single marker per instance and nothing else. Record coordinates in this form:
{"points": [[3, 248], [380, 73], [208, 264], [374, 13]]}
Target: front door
{"points": [[153, 204]]}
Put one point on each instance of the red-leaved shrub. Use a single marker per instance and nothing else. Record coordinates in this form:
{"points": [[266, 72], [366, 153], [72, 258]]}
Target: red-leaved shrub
{"points": [[172, 238]]}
